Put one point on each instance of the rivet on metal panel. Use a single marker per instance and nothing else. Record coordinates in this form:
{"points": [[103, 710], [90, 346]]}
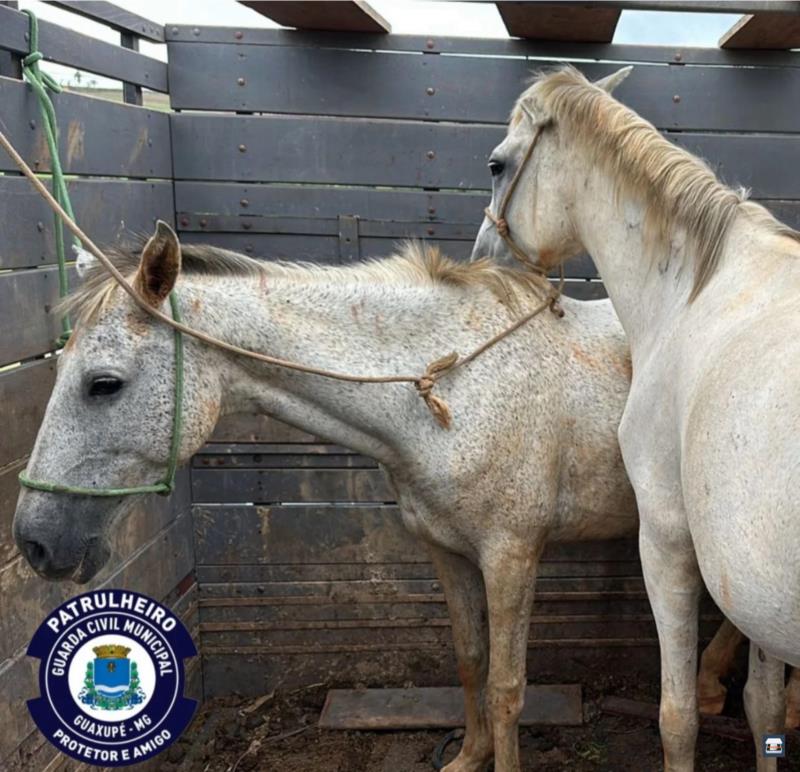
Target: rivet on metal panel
{"points": [[431, 210], [676, 98], [244, 203], [40, 227], [430, 44], [196, 31], [238, 34], [247, 225], [431, 231], [240, 81], [430, 91], [175, 31], [203, 222], [184, 221], [242, 148], [435, 586], [430, 155], [678, 57]]}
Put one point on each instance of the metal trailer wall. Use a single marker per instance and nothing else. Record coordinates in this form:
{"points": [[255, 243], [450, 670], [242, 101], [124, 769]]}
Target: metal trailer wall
{"points": [[330, 147], [119, 161]]}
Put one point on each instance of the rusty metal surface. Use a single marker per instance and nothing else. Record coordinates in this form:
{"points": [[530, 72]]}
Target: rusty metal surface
{"points": [[441, 707]]}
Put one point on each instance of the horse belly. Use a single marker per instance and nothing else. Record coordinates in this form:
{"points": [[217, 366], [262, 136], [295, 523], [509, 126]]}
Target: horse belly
{"points": [[740, 470]]}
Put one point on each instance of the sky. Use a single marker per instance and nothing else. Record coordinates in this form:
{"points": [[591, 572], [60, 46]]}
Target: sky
{"points": [[415, 17]]}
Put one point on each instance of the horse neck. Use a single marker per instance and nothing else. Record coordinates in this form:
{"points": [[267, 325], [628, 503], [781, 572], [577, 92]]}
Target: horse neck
{"points": [[357, 329], [647, 284]]}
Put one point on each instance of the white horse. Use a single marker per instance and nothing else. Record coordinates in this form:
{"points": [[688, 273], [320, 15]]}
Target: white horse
{"points": [[531, 456], [706, 285]]}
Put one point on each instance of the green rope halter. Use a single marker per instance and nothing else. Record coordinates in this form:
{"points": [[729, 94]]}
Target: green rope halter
{"points": [[41, 82], [167, 485]]}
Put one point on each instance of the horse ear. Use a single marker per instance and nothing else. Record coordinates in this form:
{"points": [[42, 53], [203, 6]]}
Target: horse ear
{"points": [[610, 82], [159, 266]]}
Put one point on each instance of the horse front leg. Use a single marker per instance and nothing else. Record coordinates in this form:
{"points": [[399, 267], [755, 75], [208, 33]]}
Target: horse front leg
{"points": [[764, 702], [673, 583], [716, 662], [509, 572], [466, 603]]}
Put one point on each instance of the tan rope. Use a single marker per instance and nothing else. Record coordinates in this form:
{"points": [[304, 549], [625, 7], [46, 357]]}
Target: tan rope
{"points": [[424, 383], [499, 220]]}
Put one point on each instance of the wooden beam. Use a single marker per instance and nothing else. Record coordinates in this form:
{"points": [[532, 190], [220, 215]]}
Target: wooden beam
{"points": [[764, 30], [115, 17], [349, 16], [441, 707], [579, 22]]}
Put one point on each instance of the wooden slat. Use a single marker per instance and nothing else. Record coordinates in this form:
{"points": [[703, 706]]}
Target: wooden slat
{"points": [[343, 16], [115, 17], [24, 392], [64, 46], [352, 151], [230, 77], [113, 211], [98, 137], [492, 47], [579, 22], [26, 300], [764, 30], [442, 707]]}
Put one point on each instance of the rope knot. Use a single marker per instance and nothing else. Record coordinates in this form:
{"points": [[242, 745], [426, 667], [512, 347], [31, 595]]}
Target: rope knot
{"points": [[502, 227], [32, 58], [425, 383]]}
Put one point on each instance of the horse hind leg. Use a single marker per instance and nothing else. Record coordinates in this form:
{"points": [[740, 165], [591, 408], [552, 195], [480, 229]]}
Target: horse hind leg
{"points": [[793, 700], [466, 603], [716, 662], [764, 702]]}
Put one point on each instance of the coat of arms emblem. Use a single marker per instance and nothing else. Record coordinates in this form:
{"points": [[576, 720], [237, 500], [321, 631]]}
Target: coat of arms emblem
{"points": [[112, 680]]}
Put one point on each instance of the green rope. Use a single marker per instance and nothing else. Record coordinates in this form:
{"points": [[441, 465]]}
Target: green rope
{"points": [[167, 485], [41, 83]]}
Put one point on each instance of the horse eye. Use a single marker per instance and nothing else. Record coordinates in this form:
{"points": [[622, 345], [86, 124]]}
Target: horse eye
{"points": [[104, 386], [496, 167]]}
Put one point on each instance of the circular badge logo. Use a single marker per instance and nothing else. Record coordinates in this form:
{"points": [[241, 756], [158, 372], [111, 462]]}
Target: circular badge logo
{"points": [[111, 677]]}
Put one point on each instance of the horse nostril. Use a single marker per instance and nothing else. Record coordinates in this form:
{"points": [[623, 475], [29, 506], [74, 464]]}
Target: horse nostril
{"points": [[36, 554]]}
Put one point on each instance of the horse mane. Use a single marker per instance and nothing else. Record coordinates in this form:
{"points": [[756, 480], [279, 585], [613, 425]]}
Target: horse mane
{"points": [[679, 189], [414, 264]]}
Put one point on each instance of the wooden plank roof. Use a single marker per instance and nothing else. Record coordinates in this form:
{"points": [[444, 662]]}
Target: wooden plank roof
{"points": [[584, 22], [769, 30], [343, 16]]}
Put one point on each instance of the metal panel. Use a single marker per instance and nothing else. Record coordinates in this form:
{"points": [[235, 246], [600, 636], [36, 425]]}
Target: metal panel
{"points": [[97, 136], [264, 486], [500, 47], [428, 155], [26, 299], [24, 392], [112, 211], [115, 17], [391, 85], [62, 45]]}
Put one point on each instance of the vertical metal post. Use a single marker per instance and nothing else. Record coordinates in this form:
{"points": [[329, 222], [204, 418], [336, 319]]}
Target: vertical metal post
{"points": [[10, 64], [131, 94]]}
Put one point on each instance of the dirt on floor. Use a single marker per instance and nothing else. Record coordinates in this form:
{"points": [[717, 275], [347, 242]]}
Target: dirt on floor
{"points": [[278, 733]]}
